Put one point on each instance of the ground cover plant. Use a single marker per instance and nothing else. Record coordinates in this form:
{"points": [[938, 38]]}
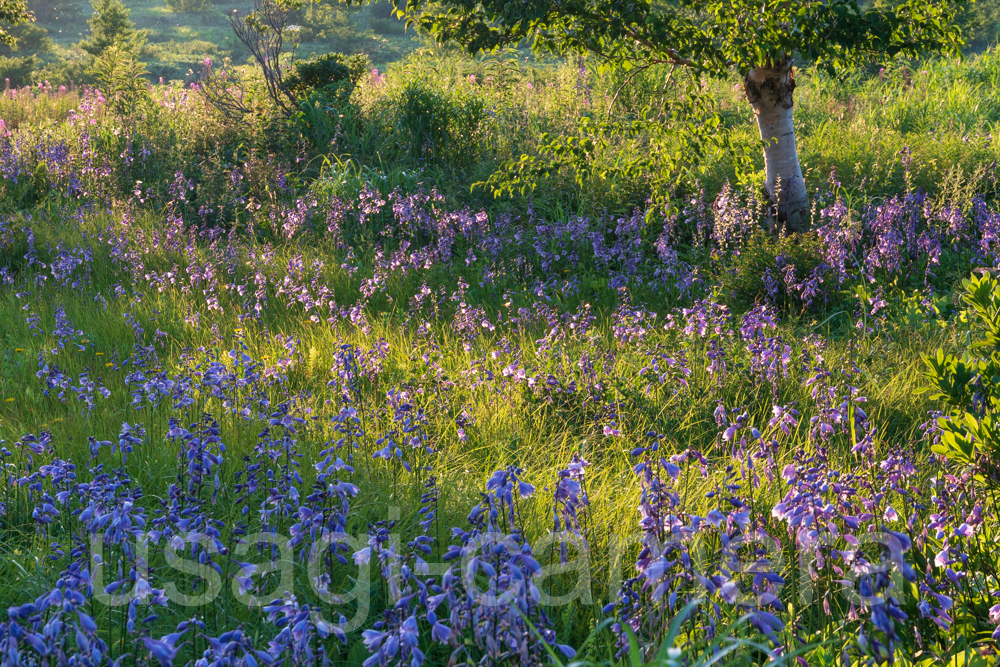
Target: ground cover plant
{"points": [[288, 389]]}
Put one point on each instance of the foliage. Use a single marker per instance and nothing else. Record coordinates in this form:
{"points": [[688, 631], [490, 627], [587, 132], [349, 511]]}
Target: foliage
{"points": [[326, 70], [19, 61], [121, 78], [666, 139], [979, 21], [323, 86], [758, 41], [54, 11], [12, 13], [327, 21], [66, 71], [969, 384], [755, 276], [110, 26], [439, 126], [17, 71], [708, 36], [29, 39], [189, 6]]}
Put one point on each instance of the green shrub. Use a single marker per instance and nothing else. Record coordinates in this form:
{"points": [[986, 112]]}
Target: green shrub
{"points": [[52, 11], [969, 386], [18, 61], [29, 39], [331, 69], [323, 86], [327, 22], [112, 24], [381, 10], [17, 71], [389, 26], [66, 70], [745, 282], [438, 126], [188, 6]]}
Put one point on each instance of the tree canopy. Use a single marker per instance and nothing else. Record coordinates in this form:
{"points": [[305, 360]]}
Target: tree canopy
{"points": [[709, 35], [12, 12]]}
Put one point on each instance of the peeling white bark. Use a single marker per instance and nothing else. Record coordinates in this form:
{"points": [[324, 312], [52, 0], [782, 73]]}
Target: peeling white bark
{"points": [[769, 91]]}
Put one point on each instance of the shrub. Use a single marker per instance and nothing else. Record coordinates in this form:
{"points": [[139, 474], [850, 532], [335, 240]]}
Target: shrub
{"points": [[969, 386], [323, 86], [65, 71], [383, 20], [325, 70], [29, 39], [439, 126], [325, 22], [763, 257], [17, 71], [111, 25], [122, 80], [188, 6]]}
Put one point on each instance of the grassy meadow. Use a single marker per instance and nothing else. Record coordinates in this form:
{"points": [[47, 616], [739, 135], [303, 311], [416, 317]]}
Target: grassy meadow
{"points": [[351, 386], [180, 35]]}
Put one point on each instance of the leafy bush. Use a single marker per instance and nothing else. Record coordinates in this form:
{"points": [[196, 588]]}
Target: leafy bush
{"points": [[17, 72], [330, 69], [18, 61], [764, 256], [121, 78], [969, 384], [29, 39], [439, 126], [111, 25], [323, 86], [188, 6], [67, 70], [383, 20]]}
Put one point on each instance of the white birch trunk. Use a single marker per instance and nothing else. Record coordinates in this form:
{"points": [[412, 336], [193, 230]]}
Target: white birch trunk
{"points": [[769, 90]]}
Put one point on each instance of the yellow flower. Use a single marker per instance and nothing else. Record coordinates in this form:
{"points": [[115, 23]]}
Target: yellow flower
{"points": [[9, 400], [100, 354], [109, 364], [18, 349]]}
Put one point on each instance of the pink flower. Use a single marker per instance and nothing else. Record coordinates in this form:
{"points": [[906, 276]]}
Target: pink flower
{"points": [[995, 613]]}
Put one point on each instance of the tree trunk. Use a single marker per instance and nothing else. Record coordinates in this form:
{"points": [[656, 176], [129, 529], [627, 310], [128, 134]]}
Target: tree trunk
{"points": [[769, 90]]}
